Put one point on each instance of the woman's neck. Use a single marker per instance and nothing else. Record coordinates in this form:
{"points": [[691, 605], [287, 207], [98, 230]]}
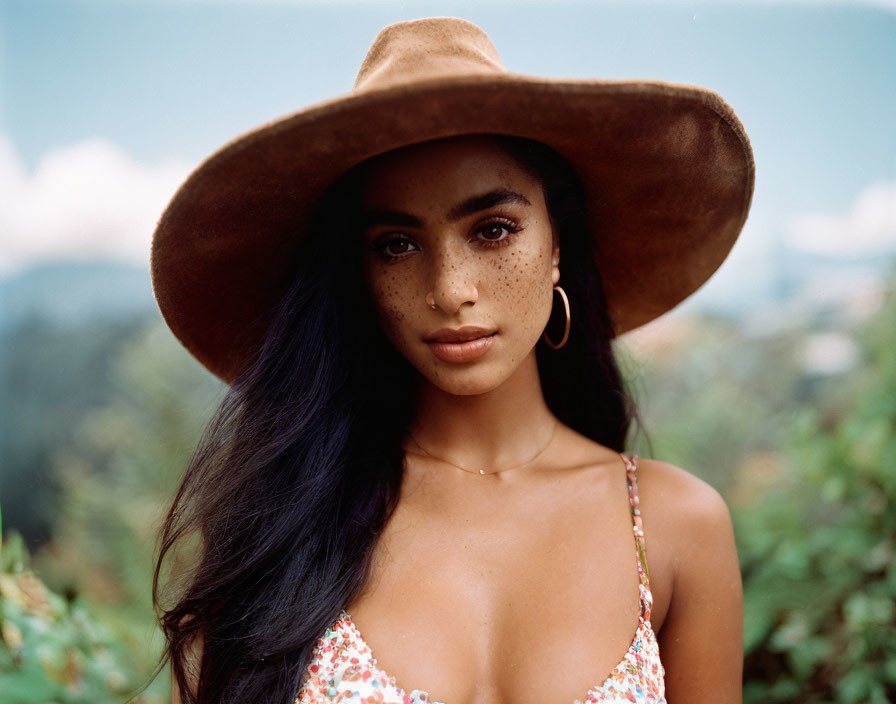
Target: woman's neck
{"points": [[498, 429]]}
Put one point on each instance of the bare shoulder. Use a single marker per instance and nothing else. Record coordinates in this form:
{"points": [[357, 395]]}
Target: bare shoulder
{"points": [[678, 498], [686, 520], [688, 527]]}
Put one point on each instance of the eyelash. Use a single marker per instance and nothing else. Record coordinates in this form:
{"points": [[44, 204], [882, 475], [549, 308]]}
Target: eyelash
{"points": [[511, 227]]}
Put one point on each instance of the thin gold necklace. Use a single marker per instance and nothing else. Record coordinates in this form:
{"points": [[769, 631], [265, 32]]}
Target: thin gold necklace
{"points": [[482, 471]]}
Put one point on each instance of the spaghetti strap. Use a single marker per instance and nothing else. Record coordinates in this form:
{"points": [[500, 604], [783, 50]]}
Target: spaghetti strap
{"points": [[631, 465]]}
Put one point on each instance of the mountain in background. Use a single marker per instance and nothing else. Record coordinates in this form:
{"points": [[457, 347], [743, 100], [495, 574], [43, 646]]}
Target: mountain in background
{"points": [[67, 293]]}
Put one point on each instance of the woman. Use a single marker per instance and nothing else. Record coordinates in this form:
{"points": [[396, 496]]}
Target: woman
{"points": [[423, 440]]}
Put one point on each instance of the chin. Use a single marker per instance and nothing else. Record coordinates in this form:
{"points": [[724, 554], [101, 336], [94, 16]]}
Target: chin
{"points": [[471, 380], [475, 379], [463, 387]]}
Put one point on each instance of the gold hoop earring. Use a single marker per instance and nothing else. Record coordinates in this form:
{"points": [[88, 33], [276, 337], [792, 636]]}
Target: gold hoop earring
{"points": [[565, 332]]}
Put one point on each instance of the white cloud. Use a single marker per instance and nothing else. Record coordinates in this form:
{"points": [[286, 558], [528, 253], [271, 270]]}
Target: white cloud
{"points": [[86, 200], [868, 228]]}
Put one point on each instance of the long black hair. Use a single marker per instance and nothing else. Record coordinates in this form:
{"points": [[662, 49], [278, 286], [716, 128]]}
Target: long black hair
{"points": [[272, 528]]}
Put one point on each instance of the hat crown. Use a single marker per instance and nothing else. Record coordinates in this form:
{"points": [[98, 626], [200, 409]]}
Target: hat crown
{"points": [[417, 50]]}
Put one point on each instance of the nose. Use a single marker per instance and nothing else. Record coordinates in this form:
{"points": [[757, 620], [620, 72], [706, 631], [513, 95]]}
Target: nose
{"points": [[453, 279]]}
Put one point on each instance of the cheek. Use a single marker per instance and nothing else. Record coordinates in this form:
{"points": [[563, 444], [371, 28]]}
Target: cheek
{"points": [[391, 300], [523, 286]]}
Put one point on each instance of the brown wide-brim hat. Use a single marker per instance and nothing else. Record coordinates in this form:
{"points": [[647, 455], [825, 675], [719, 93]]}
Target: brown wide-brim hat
{"points": [[668, 172]]}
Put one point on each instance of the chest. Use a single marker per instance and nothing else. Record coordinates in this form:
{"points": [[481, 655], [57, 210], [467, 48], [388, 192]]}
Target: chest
{"points": [[527, 605]]}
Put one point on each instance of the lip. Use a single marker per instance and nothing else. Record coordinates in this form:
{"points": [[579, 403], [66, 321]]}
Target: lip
{"points": [[464, 351], [462, 334]]}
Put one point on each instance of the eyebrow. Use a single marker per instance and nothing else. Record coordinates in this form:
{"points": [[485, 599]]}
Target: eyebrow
{"points": [[463, 209]]}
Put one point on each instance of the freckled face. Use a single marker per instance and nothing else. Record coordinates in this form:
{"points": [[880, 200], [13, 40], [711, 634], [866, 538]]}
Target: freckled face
{"points": [[460, 224]]}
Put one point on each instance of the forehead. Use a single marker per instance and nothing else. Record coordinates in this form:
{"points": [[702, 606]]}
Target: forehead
{"points": [[444, 169]]}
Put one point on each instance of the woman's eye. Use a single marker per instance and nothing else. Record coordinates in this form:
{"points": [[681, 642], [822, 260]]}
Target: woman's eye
{"points": [[395, 247], [494, 231], [497, 233]]}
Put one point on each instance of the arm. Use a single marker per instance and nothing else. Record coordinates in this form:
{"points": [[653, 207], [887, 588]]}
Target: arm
{"points": [[701, 640]]}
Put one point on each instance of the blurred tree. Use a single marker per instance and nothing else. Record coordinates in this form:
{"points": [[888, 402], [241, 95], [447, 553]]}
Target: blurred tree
{"points": [[49, 377]]}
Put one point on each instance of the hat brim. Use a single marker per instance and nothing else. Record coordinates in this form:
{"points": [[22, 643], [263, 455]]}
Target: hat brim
{"points": [[667, 168]]}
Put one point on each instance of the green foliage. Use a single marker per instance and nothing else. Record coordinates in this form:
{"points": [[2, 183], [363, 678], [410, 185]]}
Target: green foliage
{"points": [[55, 650], [817, 555]]}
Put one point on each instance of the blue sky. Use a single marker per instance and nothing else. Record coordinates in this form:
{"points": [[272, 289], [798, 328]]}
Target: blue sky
{"points": [[160, 85]]}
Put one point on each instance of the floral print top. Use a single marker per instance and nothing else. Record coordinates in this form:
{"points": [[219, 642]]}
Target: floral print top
{"points": [[343, 669]]}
